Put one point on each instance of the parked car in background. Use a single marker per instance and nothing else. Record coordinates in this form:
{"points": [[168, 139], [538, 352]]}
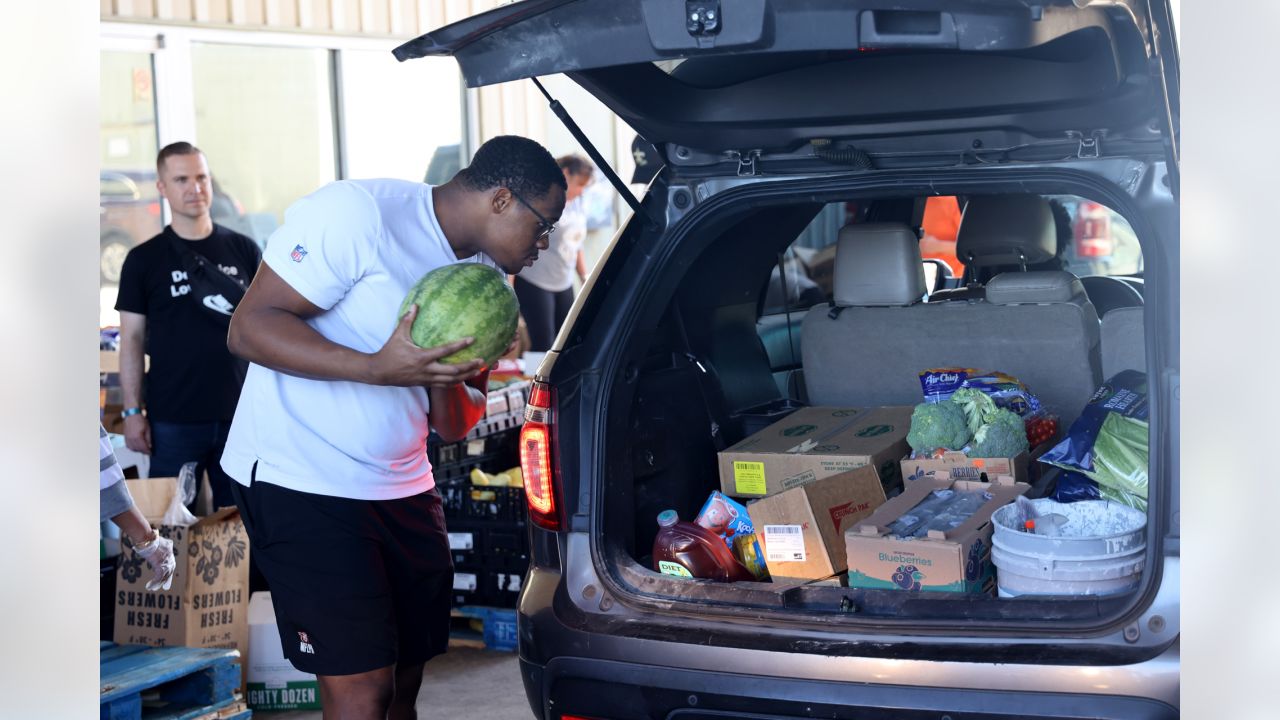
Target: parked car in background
{"points": [[780, 118], [129, 213]]}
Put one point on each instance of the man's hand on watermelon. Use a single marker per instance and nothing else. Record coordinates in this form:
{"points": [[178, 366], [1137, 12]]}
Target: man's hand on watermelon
{"points": [[400, 362], [270, 328]]}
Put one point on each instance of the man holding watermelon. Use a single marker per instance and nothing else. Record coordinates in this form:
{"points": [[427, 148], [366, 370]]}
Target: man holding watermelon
{"points": [[329, 439]]}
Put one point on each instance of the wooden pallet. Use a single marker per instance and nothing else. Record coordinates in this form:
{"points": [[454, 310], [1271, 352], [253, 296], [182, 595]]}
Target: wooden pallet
{"points": [[170, 683], [499, 628]]}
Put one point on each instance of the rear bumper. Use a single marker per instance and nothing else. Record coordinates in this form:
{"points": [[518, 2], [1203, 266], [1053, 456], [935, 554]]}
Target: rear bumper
{"points": [[611, 690]]}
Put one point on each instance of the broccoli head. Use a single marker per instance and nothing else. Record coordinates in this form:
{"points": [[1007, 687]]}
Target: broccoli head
{"points": [[1004, 436], [937, 425]]}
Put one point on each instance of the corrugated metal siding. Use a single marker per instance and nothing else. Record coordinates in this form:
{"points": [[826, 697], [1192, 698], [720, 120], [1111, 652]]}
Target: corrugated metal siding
{"points": [[400, 18]]}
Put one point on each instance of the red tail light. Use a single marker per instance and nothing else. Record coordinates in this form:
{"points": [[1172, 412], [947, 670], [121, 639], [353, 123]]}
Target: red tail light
{"points": [[536, 461]]}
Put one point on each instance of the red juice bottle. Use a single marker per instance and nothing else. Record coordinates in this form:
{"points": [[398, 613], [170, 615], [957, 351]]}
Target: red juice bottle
{"points": [[685, 549]]}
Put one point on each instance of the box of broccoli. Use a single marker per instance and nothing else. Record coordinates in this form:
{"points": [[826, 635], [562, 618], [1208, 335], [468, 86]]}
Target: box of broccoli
{"points": [[953, 465], [965, 437]]}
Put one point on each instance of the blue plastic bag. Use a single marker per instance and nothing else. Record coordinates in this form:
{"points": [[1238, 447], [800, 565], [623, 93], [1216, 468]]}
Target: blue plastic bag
{"points": [[1074, 487], [1125, 393]]}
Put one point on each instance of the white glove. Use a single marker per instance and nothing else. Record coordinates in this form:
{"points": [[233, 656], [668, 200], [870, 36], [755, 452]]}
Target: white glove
{"points": [[159, 556]]}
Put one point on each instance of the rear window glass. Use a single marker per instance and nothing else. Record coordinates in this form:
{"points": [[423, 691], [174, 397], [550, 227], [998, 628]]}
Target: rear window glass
{"points": [[1092, 240]]}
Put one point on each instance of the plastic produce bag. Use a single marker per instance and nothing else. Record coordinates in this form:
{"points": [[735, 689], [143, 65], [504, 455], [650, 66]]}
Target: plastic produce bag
{"points": [[177, 514], [942, 510], [1120, 460], [939, 384], [1074, 487], [1108, 443]]}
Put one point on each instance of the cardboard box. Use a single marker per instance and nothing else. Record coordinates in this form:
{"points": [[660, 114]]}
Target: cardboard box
{"points": [[273, 683], [957, 560], [801, 530], [814, 443], [958, 466], [208, 603]]}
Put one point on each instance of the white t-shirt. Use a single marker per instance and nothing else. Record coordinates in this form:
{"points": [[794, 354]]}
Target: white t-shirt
{"points": [[353, 248], [554, 269]]}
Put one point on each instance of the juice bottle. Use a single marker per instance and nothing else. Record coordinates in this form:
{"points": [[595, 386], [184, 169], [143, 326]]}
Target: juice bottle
{"points": [[685, 549]]}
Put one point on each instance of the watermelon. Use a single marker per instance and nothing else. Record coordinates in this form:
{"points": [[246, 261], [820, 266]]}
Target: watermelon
{"points": [[464, 300]]}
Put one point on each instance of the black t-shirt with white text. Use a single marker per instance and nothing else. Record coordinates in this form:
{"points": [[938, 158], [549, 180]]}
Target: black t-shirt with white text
{"points": [[193, 378]]}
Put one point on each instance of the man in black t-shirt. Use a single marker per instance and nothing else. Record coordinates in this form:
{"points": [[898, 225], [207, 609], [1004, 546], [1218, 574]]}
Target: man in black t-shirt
{"points": [[181, 321]]}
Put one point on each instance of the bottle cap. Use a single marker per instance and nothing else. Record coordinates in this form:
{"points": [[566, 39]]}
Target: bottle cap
{"points": [[667, 518]]}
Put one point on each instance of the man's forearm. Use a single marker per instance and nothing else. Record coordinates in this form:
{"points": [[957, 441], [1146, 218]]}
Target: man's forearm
{"points": [[457, 408], [132, 360], [284, 342]]}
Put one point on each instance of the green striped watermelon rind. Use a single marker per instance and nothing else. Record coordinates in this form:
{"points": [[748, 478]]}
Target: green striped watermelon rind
{"points": [[464, 300]]}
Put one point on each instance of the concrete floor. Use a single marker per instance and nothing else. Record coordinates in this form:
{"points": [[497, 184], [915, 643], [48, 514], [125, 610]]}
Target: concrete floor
{"points": [[464, 682]]}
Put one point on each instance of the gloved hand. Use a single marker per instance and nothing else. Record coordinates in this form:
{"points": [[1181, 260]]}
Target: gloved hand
{"points": [[158, 552]]}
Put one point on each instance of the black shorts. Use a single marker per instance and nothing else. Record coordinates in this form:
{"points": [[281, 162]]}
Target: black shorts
{"points": [[356, 584]]}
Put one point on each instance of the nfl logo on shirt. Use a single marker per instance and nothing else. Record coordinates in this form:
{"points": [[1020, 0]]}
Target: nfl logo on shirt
{"points": [[298, 253]]}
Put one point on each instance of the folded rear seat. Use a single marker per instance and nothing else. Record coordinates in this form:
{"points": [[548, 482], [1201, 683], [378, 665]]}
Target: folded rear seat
{"points": [[870, 346], [1124, 344]]}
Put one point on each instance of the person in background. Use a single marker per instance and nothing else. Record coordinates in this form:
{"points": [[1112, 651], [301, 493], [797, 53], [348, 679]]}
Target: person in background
{"points": [[328, 445], [116, 504], [545, 289], [177, 293]]}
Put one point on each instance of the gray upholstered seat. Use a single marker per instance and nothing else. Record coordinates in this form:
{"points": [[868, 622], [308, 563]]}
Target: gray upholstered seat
{"points": [[870, 346], [1001, 230], [1123, 341]]}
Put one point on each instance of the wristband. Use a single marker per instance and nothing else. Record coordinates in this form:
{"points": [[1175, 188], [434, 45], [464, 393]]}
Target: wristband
{"points": [[152, 536], [131, 411]]}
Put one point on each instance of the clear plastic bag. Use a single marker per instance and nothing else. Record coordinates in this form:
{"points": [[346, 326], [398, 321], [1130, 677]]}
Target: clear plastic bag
{"points": [[942, 510], [177, 514]]}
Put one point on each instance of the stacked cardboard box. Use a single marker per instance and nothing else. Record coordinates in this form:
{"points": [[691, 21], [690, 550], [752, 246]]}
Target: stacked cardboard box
{"points": [[208, 602], [957, 559]]}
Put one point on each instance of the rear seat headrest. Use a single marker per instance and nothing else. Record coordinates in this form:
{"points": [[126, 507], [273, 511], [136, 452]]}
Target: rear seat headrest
{"points": [[878, 264], [994, 228], [1046, 286]]}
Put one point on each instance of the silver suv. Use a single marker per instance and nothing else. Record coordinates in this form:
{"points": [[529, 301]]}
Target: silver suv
{"points": [[782, 126]]}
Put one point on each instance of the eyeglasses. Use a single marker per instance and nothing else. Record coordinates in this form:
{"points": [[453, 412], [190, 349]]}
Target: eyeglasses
{"points": [[545, 226]]}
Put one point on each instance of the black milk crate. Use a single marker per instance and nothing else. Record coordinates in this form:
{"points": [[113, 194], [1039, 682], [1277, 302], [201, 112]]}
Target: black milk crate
{"points": [[466, 543], [488, 502], [460, 472], [496, 424], [502, 442], [498, 544], [441, 453], [479, 585]]}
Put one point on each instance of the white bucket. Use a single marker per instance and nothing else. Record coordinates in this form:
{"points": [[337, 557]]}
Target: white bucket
{"points": [[1100, 550]]}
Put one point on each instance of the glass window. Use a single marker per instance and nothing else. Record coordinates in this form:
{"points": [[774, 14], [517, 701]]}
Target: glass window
{"points": [[1101, 241], [400, 119], [129, 202], [264, 119], [1092, 240]]}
